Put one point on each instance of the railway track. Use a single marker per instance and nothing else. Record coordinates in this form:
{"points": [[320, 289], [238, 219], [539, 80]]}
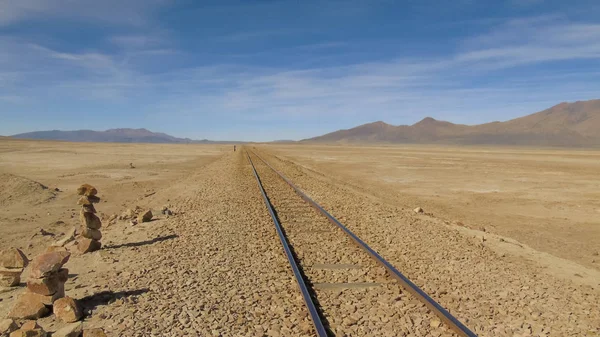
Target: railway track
{"points": [[348, 288]]}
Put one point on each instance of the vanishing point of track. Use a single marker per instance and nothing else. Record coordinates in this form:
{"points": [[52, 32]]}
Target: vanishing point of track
{"points": [[305, 283]]}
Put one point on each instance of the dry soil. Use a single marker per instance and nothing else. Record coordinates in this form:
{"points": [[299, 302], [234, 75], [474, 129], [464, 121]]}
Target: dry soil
{"points": [[216, 268]]}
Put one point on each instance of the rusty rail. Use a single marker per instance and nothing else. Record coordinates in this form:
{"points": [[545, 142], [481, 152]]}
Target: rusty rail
{"points": [[407, 284]]}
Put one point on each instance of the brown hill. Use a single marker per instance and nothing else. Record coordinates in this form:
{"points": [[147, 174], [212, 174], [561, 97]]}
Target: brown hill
{"points": [[566, 124]]}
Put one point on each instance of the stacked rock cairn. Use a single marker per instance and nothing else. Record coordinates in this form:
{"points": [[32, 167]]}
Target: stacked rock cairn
{"points": [[90, 223], [12, 263], [45, 285]]}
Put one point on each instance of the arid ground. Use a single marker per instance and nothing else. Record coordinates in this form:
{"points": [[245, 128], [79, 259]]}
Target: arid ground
{"points": [[548, 199], [508, 241], [27, 207]]}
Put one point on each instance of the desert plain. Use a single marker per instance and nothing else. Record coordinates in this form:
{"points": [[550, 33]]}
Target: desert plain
{"points": [[215, 267], [548, 199]]}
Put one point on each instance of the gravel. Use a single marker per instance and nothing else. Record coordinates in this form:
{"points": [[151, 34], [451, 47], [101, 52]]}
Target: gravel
{"points": [[356, 295], [225, 274], [493, 295]]}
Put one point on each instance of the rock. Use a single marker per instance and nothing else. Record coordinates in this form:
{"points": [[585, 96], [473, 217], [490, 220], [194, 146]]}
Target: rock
{"points": [[84, 201], [94, 333], [88, 209], [48, 263], [71, 330], [13, 258], [128, 214], [90, 233], [7, 326], [88, 245], [112, 219], [67, 310], [419, 210], [93, 199], [145, 217], [49, 285], [39, 332], [56, 249], [28, 306], [90, 220], [30, 325], [70, 236], [44, 232], [10, 277], [166, 211], [435, 323], [87, 190], [47, 300]]}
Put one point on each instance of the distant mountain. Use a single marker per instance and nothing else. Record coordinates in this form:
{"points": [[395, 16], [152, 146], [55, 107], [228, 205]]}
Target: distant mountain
{"points": [[566, 124], [110, 136]]}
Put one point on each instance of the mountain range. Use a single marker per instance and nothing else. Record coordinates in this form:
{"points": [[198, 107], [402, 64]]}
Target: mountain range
{"points": [[110, 136], [566, 124]]}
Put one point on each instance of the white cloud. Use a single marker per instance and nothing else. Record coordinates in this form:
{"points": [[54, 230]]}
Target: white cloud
{"points": [[131, 12], [533, 40], [454, 87]]}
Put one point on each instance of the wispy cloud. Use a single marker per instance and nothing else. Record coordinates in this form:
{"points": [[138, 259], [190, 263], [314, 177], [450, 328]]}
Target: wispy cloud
{"points": [[132, 12], [135, 41], [533, 40], [462, 85]]}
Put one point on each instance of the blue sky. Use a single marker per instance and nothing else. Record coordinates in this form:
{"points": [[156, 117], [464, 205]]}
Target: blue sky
{"points": [[266, 69]]}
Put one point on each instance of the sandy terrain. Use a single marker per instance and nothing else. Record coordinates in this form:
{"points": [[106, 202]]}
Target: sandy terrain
{"points": [[546, 199], [216, 268], [24, 165]]}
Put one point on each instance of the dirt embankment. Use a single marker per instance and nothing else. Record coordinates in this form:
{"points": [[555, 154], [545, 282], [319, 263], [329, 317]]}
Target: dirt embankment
{"points": [[20, 191]]}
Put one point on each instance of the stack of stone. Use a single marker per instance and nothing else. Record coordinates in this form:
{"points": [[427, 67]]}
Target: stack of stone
{"points": [[45, 285], [12, 262], [90, 222]]}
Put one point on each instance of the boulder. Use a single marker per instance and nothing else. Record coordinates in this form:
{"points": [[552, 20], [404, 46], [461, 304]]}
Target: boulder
{"points": [[419, 210], [49, 285], [87, 190], [145, 216], [90, 220], [90, 233], [28, 306], [7, 326], [10, 277], [67, 310], [47, 263], [88, 245], [13, 258], [71, 330], [94, 333]]}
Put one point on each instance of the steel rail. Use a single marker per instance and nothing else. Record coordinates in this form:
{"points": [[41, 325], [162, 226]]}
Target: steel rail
{"points": [[312, 309], [407, 284]]}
